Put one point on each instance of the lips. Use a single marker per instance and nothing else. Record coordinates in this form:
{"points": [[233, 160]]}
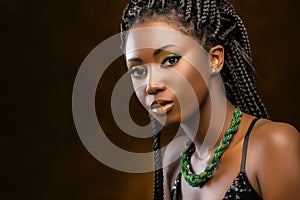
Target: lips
{"points": [[161, 106]]}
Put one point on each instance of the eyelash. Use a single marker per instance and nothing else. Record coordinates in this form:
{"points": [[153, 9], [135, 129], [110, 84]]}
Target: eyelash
{"points": [[143, 70], [177, 57], [134, 70]]}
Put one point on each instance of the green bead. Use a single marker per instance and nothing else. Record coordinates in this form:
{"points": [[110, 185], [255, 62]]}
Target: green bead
{"points": [[198, 180]]}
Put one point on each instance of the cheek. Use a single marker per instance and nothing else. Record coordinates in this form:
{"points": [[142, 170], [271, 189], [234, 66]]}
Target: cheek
{"points": [[199, 86], [189, 76], [195, 79], [140, 95], [191, 91]]}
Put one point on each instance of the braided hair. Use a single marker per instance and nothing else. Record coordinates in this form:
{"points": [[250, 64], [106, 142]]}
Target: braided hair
{"points": [[212, 22], [158, 167]]}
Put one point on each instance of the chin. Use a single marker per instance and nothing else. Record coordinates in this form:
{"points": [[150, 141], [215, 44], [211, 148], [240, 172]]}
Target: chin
{"points": [[167, 119]]}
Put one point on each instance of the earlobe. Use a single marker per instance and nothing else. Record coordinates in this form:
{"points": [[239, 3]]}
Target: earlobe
{"points": [[216, 55]]}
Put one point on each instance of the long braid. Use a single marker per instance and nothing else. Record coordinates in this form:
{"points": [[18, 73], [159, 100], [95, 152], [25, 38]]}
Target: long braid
{"points": [[158, 166], [237, 50], [214, 22]]}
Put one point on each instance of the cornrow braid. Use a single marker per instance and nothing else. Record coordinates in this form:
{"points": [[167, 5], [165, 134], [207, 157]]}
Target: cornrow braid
{"points": [[181, 3], [213, 22], [151, 3], [188, 11], [205, 11], [213, 9]]}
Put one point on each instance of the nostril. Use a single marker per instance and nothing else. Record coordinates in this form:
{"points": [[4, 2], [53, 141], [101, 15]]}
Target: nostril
{"points": [[154, 88]]}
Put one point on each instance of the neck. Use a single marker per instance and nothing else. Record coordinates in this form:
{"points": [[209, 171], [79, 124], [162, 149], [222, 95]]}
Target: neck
{"points": [[207, 129], [206, 133]]}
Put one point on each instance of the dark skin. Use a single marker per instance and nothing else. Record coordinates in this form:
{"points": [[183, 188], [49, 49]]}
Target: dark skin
{"points": [[272, 165], [273, 158]]}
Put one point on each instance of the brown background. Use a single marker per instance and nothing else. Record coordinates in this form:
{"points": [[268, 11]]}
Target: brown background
{"points": [[42, 46]]}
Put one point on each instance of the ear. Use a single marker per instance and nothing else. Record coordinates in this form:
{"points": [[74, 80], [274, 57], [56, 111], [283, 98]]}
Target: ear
{"points": [[216, 55]]}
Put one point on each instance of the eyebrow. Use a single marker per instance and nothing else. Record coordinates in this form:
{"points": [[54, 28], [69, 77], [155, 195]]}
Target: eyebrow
{"points": [[134, 60], [155, 53]]}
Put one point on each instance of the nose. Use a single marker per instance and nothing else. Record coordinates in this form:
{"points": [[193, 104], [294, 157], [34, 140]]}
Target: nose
{"points": [[154, 88], [154, 84]]}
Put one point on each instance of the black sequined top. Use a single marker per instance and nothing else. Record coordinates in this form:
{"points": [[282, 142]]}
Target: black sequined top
{"points": [[240, 187]]}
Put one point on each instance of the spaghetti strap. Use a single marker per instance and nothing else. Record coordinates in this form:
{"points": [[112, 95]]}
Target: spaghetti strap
{"points": [[245, 145], [176, 188]]}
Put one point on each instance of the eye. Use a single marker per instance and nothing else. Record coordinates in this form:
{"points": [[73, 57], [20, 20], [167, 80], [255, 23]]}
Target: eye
{"points": [[138, 72], [171, 60]]}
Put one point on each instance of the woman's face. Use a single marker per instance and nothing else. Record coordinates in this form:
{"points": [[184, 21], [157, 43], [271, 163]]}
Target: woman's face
{"points": [[169, 71]]}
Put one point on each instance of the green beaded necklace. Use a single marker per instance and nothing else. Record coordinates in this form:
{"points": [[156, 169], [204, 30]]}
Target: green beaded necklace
{"points": [[198, 180]]}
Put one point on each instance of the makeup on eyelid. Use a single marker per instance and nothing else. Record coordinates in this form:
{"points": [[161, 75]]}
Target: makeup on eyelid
{"points": [[138, 69], [166, 73]]}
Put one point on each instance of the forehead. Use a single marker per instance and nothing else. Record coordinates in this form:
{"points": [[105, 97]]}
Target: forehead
{"points": [[154, 35]]}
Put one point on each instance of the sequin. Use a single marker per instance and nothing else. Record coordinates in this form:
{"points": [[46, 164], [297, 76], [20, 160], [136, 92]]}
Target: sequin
{"points": [[240, 187]]}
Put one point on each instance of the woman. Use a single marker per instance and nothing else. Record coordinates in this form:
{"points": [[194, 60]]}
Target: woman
{"points": [[178, 81]]}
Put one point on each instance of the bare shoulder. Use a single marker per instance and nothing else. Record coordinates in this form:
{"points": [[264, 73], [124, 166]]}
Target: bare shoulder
{"points": [[272, 134], [276, 147], [275, 141]]}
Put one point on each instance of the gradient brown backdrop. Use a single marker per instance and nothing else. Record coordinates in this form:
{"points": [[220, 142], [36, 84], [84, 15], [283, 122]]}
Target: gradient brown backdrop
{"points": [[42, 46]]}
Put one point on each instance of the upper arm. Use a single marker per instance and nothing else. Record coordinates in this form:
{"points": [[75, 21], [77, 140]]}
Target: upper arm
{"points": [[279, 162]]}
